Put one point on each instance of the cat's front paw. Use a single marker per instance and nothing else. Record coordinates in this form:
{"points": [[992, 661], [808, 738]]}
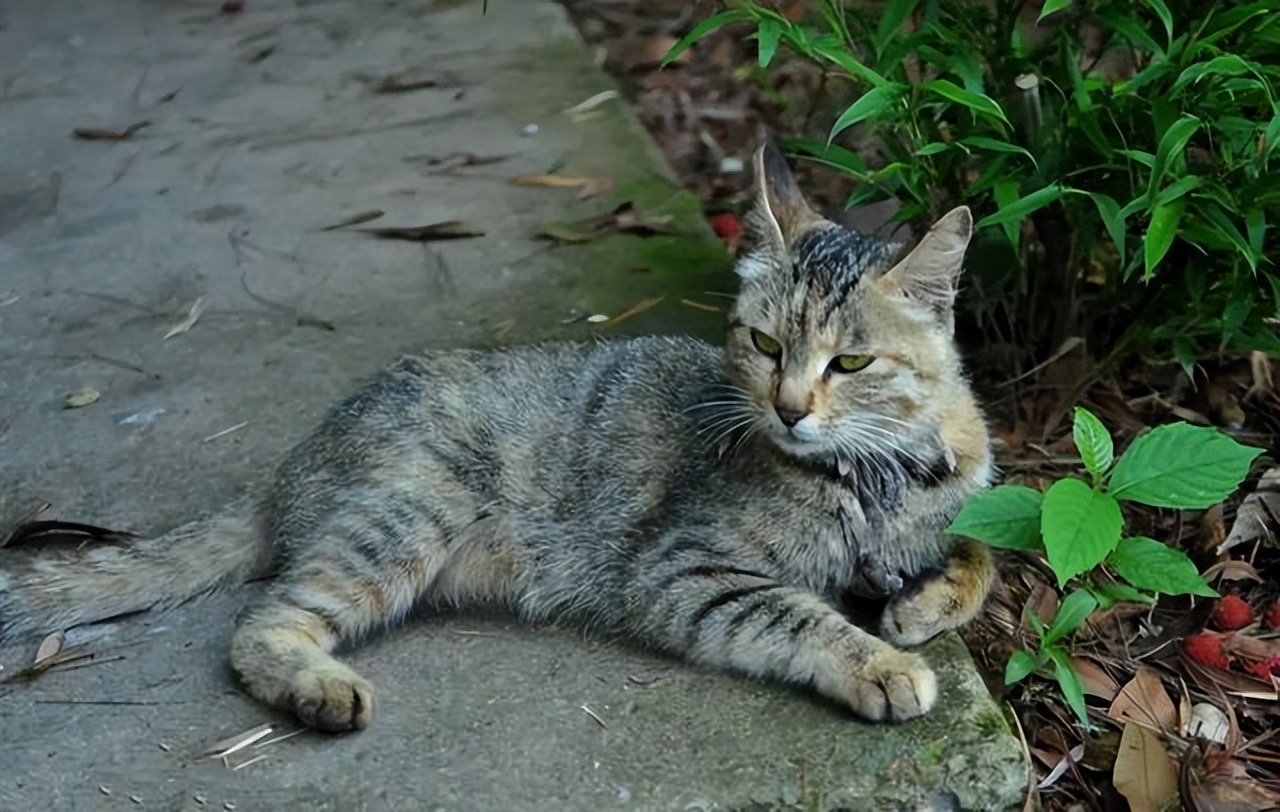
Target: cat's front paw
{"points": [[922, 612], [893, 686], [331, 698]]}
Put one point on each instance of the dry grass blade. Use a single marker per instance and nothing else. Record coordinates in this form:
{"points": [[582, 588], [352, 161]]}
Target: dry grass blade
{"points": [[95, 134], [595, 716], [699, 306], [447, 230], [636, 309], [551, 181], [193, 315], [225, 431], [238, 742]]}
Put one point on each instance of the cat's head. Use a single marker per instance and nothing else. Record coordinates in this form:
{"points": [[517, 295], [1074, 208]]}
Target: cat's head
{"points": [[841, 347]]}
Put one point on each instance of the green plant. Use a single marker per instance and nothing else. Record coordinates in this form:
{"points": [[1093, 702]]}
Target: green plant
{"points": [[1078, 527], [1118, 153]]}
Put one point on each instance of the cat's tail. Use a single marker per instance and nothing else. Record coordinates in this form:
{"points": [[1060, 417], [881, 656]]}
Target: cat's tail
{"points": [[49, 588]]}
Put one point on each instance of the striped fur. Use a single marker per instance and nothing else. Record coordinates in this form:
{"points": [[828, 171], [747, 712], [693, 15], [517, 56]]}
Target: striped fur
{"points": [[644, 487]]}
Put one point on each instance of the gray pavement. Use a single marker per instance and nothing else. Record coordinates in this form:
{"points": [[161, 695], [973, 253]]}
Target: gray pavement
{"points": [[264, 127]]}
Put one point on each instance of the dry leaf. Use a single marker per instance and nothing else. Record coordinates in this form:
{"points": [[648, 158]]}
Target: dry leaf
{"points": [[447, 230], [1263, 383], [186, 324], [1225, 793], [554, 181], [49, 648], [595, 187], [355, 219], [1094, 680], [1232, 570], [94, 134], [1144, 773], [230, 745], [82, 397], [1259, 514], [1144, 700]]}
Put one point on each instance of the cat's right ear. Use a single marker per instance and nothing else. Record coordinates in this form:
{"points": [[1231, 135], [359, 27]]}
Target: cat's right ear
{"points": [[778, 215]]}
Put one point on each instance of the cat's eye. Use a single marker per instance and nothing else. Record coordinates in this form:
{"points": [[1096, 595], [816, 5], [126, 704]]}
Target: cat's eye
{"points": [[766, 344], [851, 363]]}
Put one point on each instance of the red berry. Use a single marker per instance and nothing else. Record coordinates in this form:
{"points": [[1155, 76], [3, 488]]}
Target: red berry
{"points": [[1232, 613], [726, 226], [1272, 618], [1206, 649]]}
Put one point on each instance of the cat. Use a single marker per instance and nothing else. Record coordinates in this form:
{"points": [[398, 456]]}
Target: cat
{"points": [[713, 504]]}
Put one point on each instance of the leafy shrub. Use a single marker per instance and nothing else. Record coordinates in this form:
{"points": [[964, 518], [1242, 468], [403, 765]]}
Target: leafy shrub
{"points": [[1078, 527], [1119, 155]]}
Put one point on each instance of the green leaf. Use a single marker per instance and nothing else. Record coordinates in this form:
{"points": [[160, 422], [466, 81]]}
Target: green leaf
{"points": [[1025, 206], [1166, 17], [1172, 144], [834, 52], [713, 23], [1074, 609], [932, 149], [1160, 234], [1110, 593], [1080, 527], [874, 101], [1067, 679], [980, 103], [892, 17], [996, 145], [1007, 516], [1019, 666], [1148, 564], [767, 36], [1180, 466], [1093, 441], [1005, 191], [1219, 218], [1109, 211], [1184, 352], [1053, 7], [1226, 65], [1255, 222]]}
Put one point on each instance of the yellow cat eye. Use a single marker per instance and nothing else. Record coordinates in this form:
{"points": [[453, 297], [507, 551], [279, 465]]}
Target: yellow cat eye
{"points": [[851, 363], [766, 344]]}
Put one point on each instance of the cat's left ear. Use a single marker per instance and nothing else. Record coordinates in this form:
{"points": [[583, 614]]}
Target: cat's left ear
{"points": [[930, 273]]}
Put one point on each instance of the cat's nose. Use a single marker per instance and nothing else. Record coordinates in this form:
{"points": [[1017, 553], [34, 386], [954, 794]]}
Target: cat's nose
{"points": [[789, 417]]}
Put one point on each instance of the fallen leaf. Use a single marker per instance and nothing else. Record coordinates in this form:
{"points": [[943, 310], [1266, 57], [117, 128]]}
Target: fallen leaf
{"points": [[1226, 793], [554, 181], [1093, 679], [408, 80], [595, 187], [49, 648], [699, 306], [186, 324], [1144, 773], [447, 230], [1232, 569], [1258, 515], [94, 134], [82, 397], [1144, 700], [355, 220], [629, 220]]}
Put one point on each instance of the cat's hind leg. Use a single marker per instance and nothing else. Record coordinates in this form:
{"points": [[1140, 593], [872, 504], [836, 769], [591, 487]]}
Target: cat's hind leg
{"points": [[363, 569]]}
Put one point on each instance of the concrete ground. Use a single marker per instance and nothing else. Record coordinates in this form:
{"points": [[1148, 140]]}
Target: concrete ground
{"points": [[264, 127]]}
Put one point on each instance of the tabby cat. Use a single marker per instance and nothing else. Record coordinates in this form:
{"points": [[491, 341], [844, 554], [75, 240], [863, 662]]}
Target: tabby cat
{"points": [[714, 504]]}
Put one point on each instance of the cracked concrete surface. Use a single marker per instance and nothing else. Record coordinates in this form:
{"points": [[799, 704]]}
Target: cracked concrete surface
{"points": [[263, 128]]}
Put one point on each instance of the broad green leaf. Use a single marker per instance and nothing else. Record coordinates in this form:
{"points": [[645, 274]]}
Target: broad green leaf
{"points": [[1067, 679], [1019, 666], [713, 23], [1007, 516], [1053, 7], [1074, 609], [874, 101], [1180, 466], [1080, 527], [1172, 144], [1148, 564], [1027, 205], [1145, 158], [1160, 234], [1177, 189], [767, 36], [1109, 211], [1093, 441], [980, 103], [996, 145], [1166, 18], [1226, 65]]}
